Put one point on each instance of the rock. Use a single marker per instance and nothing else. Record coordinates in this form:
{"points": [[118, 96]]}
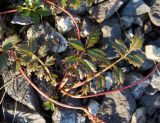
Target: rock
{"points": [[139, 89], [22, 114], [150, 90], [139, 116], [109, 80], [147, 65], [46, 33], [20, 90], [135, 7], [127, 21], [117, 107], [93, 107], [154, 14], [22, 20], [152, 52], [46, 87], [62, 115], [155, 80], [111, 30], [151, 103], [87, 27], [105, 9], [82, 10], [64, 24]]}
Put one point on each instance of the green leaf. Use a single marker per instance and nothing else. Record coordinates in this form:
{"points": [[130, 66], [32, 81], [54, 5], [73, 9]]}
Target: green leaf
{"points": [[91, 65], [32, 67], [136, 42], [85, 89], [50, 60], [40, 73], [90, 2], [101, 83], [3, 62], [77, 45], [43, 51], [136, 59], [37, 3], [49, 105], [72, 59], [27, 12], [118, 75], [76, 3], [25, 60], [93, 38], [10, 42], [43, 12], [98, 54], [120, 47]]}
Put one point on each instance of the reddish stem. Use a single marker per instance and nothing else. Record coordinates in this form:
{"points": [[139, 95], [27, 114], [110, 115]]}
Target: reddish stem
{"points": [[9, 11], [120, 89], [54, 101]]}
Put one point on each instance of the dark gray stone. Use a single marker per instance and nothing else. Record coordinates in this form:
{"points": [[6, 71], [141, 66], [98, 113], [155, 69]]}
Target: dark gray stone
{"points": [[111, 30], [87, 27], [20, 90], [20, 113], [22, 20], [105, 9], [139, 116], [151, 103], [139, 89], [117, 107], [46, 33], [135, 7], [62, 115]]}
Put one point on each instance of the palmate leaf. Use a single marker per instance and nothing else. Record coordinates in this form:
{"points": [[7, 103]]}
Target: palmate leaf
{"points": [[91, 65], [93, 38], [43, 51], [50, 60], [77, 45], [136, 59], [136, 42], [118, 75], [98, 54], [10, 42], [120, 47]]}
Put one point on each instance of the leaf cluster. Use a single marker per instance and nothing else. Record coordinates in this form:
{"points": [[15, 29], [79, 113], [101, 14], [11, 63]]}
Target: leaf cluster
{"points": [[90, 59], [34, 9]]}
